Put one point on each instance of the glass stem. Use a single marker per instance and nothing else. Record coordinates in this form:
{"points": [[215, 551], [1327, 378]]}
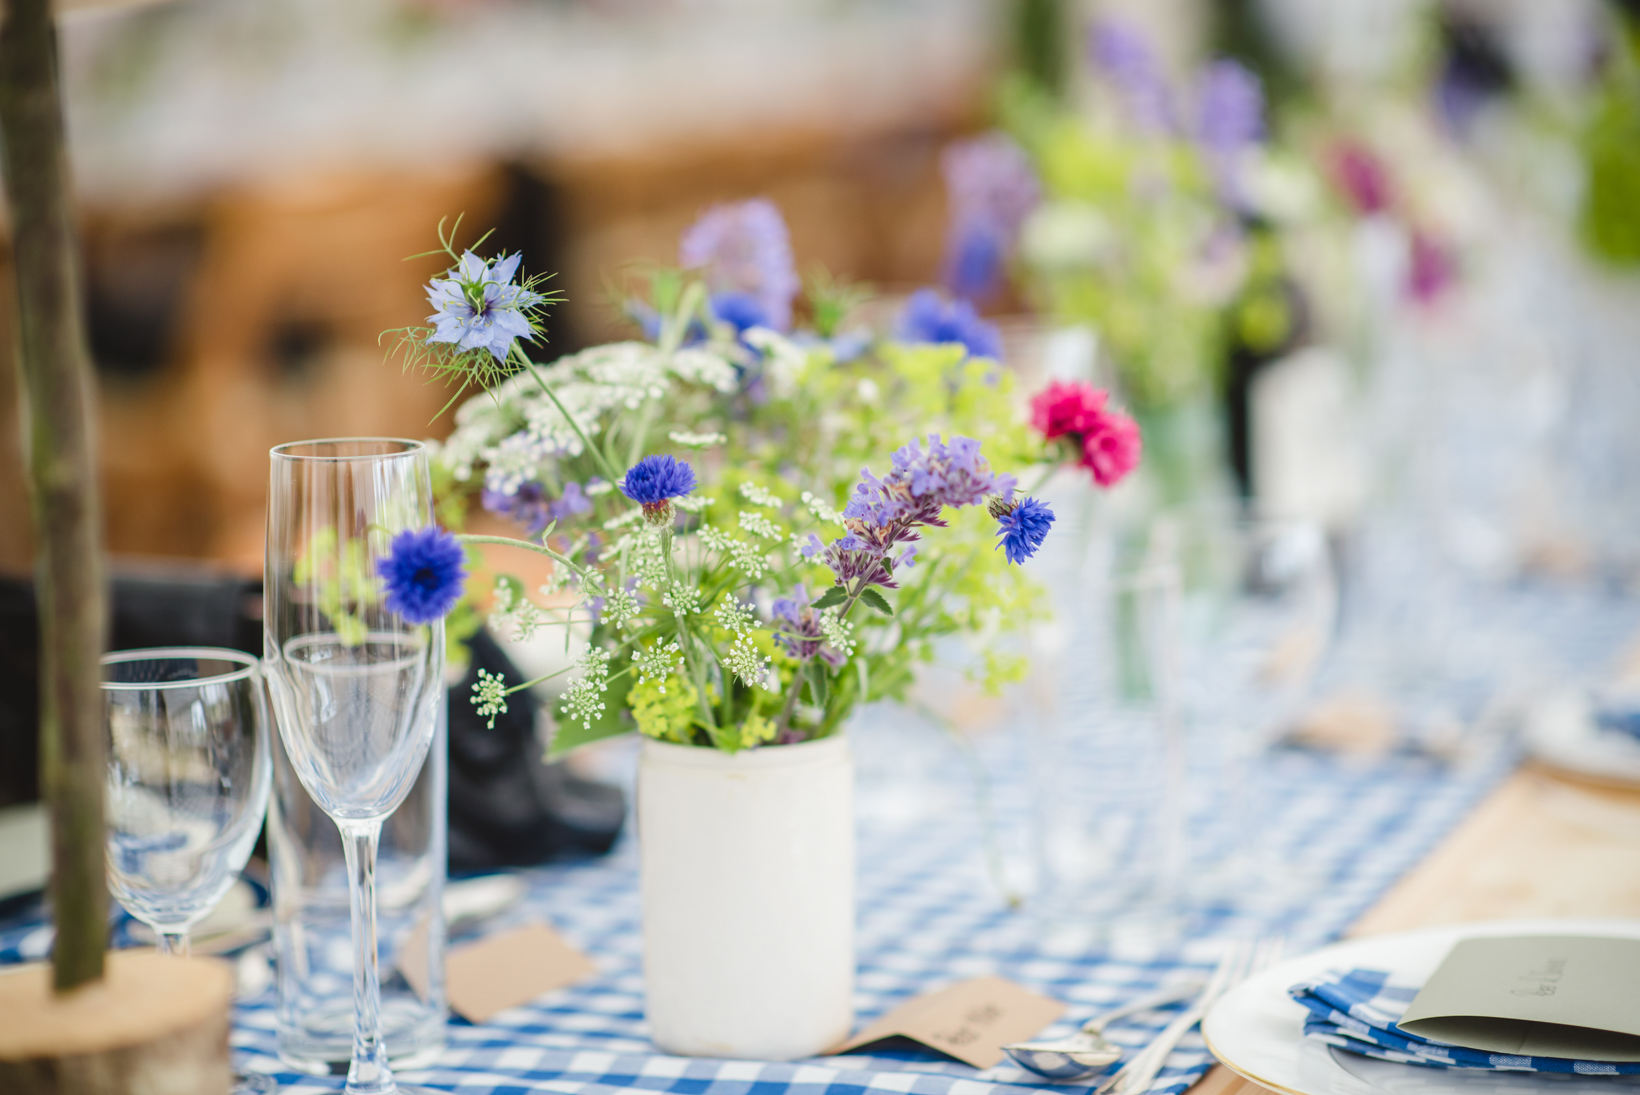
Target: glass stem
{"points": [[368, 1073], [173, 943]]}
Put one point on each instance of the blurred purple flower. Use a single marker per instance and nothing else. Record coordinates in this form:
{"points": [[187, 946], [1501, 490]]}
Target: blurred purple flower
{"points": [[572, 503], [528, 506], [1431, 269], [743, 248], [927, 318], [992, 188], [1362, 176], [742, 311], [1120, 51], [797, 629], [1229, 118]]}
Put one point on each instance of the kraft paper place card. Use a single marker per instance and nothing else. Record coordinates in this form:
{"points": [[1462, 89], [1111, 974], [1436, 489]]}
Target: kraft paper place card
{"points": [[504, 970], [971, 1020], [1535, 996]]}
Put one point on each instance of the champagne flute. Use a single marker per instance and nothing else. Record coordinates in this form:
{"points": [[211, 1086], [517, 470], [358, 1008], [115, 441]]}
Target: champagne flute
{"points": [[188, 775], [355, 686]]}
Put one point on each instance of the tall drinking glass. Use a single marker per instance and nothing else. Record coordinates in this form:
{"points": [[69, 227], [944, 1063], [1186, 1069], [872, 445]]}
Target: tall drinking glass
{"points": [[188, 774], [355, 687]]}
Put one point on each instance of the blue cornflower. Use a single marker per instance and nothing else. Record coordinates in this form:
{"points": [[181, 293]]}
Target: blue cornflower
{"points": [[654, 481], [927, 318], [1022, 525], [743, 247], [477, 307], [423, 573]]}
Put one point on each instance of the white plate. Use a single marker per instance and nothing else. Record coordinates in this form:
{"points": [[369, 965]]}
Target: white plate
{"points": [[1258, 1030], [1561, 731]]}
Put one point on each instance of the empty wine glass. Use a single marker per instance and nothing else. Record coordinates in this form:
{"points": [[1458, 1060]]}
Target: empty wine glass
{"points": [[188, 775], [355, 687]]}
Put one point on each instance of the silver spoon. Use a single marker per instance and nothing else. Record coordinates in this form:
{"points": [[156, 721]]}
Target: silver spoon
{"points": [[1086, 1052]]}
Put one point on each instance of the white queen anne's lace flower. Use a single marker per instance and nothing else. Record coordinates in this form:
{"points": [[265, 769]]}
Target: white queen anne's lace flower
{"points": [[583, 698]]}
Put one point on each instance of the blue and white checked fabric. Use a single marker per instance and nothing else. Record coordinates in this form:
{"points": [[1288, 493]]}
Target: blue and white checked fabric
{"points": [[929, 914], [1358, 1011]]}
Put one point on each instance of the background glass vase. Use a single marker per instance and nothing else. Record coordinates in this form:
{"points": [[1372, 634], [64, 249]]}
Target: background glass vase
{"points": [[311, 931], [1104, 743]]}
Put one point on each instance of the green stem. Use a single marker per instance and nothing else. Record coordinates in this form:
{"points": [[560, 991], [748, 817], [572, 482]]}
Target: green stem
{"points": [[1042, 480], [597, 454], [508, 541], [59, 390]]}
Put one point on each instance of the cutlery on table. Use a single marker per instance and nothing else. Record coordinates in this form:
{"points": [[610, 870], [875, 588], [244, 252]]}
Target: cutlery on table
{"points": [[1086, 1051], [1242, 961]]}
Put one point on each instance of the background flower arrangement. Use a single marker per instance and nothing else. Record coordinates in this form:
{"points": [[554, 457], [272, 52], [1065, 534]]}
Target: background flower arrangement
{"points": [[725, 570]]}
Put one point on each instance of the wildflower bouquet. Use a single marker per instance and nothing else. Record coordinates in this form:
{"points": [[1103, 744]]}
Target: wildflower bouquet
{"points": [[726, 572]]}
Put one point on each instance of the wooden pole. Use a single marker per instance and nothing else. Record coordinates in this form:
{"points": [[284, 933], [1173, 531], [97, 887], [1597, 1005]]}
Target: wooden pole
{"points": [[58, 391]]}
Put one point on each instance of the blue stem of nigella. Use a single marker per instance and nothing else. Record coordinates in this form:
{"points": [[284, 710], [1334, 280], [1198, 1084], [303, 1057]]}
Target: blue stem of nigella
{"points": [[604, 465]]}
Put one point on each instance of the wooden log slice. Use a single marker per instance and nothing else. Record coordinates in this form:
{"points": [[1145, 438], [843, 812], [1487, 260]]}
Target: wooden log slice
{"points": [[154, 1025]]}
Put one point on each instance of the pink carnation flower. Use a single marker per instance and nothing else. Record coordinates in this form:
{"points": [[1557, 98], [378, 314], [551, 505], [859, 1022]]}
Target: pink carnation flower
{"points": [[1111, 449], [1061, 409]]}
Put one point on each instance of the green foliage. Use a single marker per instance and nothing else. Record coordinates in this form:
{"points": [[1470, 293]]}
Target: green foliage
{"points": [[1611, 147], [1125, 241]]}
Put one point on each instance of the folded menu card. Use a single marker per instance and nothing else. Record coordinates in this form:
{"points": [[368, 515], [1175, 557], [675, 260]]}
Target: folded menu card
{"points": [[1574, 996]]}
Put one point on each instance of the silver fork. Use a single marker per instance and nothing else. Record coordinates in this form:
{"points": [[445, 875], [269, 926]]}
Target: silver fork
{"points": [[1242, 961]]}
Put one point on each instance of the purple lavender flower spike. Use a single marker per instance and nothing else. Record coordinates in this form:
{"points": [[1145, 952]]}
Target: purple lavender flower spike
{"points": [[926, 318], [886, 512], [1229, 118], [477, 307], [1121, 52], [797, 629], [743, 248]]}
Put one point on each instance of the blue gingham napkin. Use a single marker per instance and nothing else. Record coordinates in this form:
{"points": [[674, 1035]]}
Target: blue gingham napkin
{"points": [[1356, 1010]]}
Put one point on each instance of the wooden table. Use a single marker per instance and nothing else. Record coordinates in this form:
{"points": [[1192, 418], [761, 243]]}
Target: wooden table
{"points": [[1543, 844]]}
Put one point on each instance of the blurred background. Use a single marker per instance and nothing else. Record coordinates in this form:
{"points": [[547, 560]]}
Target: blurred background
{"points": [[1368, 263]]}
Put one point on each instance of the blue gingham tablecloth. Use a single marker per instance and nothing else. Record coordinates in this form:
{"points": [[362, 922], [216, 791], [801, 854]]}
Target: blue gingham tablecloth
{"points": [[930, 914]]}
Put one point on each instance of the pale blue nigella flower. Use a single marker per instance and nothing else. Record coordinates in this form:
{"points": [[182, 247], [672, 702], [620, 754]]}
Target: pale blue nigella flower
{"points": [[477, 307]]}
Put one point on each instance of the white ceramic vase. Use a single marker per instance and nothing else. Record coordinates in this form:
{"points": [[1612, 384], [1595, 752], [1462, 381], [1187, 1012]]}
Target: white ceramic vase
{"points": [[747, 864]]}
